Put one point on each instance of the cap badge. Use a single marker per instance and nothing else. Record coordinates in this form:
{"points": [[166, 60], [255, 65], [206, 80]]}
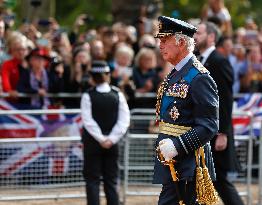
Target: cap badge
{"points": [[160, 25]]}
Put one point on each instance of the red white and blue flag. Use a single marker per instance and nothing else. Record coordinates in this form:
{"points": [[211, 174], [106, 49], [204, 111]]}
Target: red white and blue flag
{"points": [[41, 160], [243, 124]]}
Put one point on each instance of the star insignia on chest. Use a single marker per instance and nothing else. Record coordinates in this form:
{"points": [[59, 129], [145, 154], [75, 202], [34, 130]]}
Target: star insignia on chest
{"points": [[174, 114]]}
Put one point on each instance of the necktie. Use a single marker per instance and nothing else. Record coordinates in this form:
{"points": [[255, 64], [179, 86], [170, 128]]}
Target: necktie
{"points": [[201, 59]]}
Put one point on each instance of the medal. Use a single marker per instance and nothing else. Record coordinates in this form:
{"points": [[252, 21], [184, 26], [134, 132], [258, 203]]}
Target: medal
{"points": [[174, 114]]}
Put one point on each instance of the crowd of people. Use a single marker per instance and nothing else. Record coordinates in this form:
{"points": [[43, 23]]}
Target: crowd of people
{"points": [[59, 61], [41, 58]]}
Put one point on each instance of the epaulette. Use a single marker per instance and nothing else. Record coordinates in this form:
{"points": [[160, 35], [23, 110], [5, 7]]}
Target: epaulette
{"points": [[199, 66]]}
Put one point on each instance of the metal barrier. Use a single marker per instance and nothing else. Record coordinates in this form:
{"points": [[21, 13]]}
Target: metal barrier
{"points": [[139, 155], [43, 168], [245, 155], [40, 165], [33, 168], [136, 161], [260, 169]]}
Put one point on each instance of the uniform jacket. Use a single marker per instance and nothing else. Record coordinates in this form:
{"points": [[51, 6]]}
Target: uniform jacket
{"points": [[222, 73], [198, 110]]}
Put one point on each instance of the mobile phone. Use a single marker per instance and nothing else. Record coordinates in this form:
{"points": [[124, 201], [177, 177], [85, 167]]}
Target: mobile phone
{"points": [[251, 35], [8, 18], [42, 42], [44, 22]]}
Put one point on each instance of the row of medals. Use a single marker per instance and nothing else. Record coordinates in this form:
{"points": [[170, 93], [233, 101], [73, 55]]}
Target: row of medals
{"points": [[179, 89]]}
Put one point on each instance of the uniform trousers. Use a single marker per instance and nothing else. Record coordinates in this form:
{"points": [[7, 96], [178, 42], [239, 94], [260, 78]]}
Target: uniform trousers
{"points": [[226, 189], [100, 162], [187, 191]]}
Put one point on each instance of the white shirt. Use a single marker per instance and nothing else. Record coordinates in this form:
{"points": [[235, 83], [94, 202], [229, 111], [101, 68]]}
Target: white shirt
{"points": [[206, 54], [183, 62], [223, 14], [122, 123]]}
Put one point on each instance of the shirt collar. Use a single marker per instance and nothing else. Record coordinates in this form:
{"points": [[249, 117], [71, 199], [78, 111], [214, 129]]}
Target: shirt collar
{"points": [[206, 53], [103, 88], [183, 61]]}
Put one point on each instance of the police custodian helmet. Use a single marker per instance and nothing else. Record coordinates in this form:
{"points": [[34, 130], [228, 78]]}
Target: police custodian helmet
{"points": [[100, 67]]}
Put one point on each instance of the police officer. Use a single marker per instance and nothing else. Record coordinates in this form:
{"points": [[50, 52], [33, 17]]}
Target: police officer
{"points": [[187, 107], [106, 117]]}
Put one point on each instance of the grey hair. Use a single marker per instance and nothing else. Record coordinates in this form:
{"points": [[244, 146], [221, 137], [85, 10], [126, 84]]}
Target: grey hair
{"points": [[213, 28], [190, 43]]}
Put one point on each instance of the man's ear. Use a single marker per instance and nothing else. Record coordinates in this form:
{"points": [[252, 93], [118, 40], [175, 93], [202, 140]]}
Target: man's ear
{"points": [[181, 42], [211, 37]]}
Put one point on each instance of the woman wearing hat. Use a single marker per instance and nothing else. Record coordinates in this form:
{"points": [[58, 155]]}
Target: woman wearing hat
{"points": [[105, 117], [35, 79]]}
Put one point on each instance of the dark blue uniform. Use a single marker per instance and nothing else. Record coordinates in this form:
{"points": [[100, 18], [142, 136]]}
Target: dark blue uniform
{"points": [[189, 103]]}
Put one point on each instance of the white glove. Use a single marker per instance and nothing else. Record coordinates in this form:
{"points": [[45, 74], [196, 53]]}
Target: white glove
{"points": [[167, 149]]}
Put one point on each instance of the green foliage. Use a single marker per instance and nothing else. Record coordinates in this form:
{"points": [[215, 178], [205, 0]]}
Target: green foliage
{"points": [[9, 3], [67, 11], [183, 9], [239, 9]]}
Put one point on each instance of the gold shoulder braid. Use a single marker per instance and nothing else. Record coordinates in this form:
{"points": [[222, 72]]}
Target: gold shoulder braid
{"points": [[206, 193], [199, 66]]}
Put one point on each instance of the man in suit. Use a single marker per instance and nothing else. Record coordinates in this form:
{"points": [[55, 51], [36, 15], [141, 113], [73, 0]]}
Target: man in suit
{"points": [[106, 117], [187, 108], [223, 143]]}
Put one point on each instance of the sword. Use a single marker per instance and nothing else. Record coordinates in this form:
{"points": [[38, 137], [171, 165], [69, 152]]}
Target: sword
{"points": [[173, 173]]}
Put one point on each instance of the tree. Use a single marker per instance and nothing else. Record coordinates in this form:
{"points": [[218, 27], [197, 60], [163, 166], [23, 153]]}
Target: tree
{"points": [[128, 11]]}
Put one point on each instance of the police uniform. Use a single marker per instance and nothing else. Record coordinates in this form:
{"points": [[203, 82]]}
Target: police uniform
{"points": [[105, 115], [187, 107]]}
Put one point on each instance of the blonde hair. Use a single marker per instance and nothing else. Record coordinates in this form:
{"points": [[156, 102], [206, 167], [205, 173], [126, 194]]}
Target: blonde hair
{"points": [[126, 50], [15, 38], [145, 52]]}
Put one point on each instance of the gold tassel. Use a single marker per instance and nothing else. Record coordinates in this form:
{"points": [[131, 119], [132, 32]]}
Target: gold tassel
{"points": [[210, 192], [181, 203], [206, 193], [200, 185]]}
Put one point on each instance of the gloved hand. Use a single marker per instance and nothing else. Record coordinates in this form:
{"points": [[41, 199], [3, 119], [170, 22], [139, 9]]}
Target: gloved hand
{"points": [[167, 149]]}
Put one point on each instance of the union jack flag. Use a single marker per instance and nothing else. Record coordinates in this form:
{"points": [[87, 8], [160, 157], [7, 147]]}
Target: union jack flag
{"points": [[248, 103], [39, 160], [19, 125]]}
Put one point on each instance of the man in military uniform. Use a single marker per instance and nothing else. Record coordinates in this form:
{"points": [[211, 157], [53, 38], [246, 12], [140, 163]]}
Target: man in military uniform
{"points": [[187, 109]]}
